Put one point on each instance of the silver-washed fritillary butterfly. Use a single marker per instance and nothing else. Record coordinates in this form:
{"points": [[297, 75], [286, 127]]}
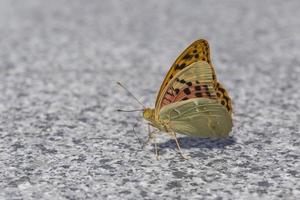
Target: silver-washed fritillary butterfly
{"points": [[191, 101]]}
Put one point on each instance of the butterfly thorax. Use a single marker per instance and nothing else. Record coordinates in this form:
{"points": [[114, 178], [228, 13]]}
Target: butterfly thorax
{"points": [[149, 115]]}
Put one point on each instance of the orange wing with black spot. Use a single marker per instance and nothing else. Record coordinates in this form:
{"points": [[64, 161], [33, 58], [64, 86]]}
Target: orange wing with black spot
{"points": [[194, 81], [223, 97], [197, 51]]}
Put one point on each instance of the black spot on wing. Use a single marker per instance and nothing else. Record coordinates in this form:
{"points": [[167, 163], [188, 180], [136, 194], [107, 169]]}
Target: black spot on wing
{"points": [[169, 93], [225, 97], [221, 89], [178, 67], [187, 57], [223, 102], [198, 94], [198, 87], [228, 108], [187, 91], [207, 90]]}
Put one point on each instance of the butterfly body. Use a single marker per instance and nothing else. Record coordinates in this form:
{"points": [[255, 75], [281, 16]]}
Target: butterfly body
{"points": [[161, 125]]}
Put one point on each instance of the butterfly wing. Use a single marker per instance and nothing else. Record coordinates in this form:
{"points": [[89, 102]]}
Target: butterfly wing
{"points": [[223, 97], [194, 81], [197, 51], [201, 117]]}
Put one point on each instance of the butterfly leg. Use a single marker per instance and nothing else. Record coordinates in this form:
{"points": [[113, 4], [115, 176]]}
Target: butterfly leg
{"points": [[133, 129], [151, 136], [178, 146], [156, 149]]}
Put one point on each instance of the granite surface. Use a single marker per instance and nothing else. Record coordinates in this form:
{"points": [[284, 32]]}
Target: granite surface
{"points": [[60, 137]]}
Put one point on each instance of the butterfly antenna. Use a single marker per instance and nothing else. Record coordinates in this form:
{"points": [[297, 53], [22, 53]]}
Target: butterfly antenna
{"points": [[121, 110], [120, 84]]}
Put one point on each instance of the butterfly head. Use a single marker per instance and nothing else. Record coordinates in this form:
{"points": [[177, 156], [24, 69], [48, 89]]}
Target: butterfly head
{"points": [[148, 114]]}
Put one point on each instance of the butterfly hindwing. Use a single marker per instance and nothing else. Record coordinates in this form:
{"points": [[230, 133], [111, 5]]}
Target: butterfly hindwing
{"points": [[197, 51], [201, 117]]}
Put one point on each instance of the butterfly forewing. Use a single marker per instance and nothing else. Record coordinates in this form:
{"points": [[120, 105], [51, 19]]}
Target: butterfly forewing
{"points": [[194, 81], [197, 51]]}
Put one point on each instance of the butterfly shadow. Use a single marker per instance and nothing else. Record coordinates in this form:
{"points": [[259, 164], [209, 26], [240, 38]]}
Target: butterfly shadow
{"points": [[199, 143]]}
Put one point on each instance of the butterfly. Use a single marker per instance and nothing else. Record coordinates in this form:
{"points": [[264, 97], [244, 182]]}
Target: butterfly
{"points": [[191, 101]]}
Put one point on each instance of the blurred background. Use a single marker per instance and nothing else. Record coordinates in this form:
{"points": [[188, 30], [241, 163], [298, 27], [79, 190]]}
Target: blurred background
{"points": [[61, 137]]}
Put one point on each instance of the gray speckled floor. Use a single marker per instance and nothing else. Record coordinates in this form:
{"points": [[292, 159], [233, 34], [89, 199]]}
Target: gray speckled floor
{"points": [[62, 139]]}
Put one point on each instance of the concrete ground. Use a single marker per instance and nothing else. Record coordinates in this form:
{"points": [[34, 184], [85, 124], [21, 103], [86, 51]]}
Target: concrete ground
{"points": [[61, 137]]}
